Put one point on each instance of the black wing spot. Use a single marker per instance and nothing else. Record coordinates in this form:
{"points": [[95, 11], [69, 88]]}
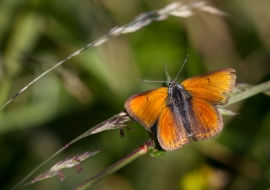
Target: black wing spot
{"points": [[208, 79]]}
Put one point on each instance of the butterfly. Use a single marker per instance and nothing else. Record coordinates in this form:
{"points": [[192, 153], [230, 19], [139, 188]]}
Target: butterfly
{"points": [[184, 111]]}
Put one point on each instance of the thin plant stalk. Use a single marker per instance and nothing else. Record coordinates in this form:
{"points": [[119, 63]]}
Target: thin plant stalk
{"points": [[177, 9], [117, 121], [143, 149]]}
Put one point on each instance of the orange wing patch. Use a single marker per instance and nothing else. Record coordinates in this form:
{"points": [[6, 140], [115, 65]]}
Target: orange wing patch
{"points": [[145, 107], [170, 131], [208, 121], [212, 87]]}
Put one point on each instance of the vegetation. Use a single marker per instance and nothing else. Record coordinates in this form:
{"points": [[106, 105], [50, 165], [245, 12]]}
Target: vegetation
{"points": [[93, 86]]}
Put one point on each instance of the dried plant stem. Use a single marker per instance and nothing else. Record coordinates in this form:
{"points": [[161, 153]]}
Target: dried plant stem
{"points": [[143, 149], [118, 121], [177, 9], [249, 92]]}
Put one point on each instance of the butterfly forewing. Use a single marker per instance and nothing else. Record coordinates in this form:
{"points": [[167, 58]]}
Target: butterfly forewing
{"points": [[170, 130], [212, 87], [146, 107]]}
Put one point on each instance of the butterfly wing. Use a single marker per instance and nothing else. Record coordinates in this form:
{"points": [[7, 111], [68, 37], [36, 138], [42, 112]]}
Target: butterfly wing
{"points": [[208, 121], [208, 90], [212, 87], [170, 130], [146, 107]]}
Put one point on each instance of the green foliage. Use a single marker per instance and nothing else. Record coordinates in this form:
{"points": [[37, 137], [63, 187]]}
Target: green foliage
{"points": [[93, 86]]}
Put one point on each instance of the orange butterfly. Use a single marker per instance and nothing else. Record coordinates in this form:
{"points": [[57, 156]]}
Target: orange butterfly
{"points": [[186, 110]]}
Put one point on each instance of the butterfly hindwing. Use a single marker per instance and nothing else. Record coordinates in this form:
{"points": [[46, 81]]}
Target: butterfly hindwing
{"points": [[170, 130], [208, 121], [146, 107]]}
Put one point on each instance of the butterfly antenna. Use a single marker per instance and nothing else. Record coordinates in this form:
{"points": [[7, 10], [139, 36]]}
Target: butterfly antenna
{"points": [[182, 67], [141, 80]]}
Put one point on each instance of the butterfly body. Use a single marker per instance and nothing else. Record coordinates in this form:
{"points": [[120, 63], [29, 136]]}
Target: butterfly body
{"points": [[179, 103], [184, 111]]}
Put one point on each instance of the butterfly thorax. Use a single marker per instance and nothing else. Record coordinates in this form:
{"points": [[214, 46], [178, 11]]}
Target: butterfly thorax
{"points": [[177, 93]]}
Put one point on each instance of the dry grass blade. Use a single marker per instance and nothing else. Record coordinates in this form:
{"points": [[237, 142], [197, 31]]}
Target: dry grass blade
{"points": [[67, 163], [174, 9]]}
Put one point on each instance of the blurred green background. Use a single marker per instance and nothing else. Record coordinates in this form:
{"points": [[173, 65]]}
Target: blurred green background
{"points": [[93, 86]]}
